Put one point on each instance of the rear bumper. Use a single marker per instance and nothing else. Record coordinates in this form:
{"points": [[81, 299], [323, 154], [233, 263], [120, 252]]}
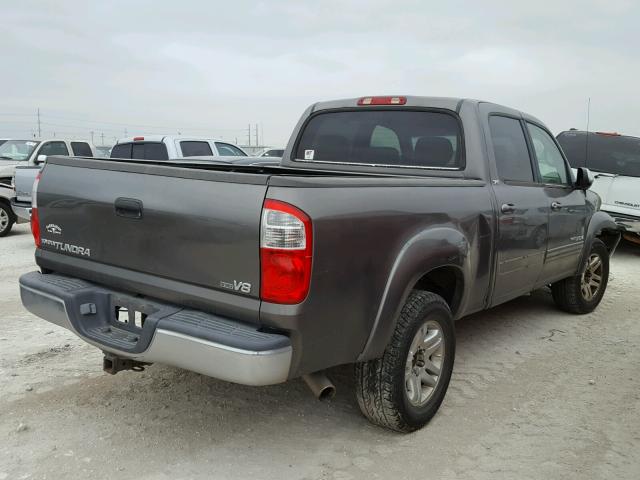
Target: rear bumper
{"points": [[21, 209], [189, 339]]}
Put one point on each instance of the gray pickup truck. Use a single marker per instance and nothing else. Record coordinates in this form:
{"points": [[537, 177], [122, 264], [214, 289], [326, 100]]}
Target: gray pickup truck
{"points": [[388, 219]]}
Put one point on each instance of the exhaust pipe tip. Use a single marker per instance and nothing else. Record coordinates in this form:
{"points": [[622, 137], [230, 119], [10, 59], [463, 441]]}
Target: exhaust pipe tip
{"points": [[320, 385]]}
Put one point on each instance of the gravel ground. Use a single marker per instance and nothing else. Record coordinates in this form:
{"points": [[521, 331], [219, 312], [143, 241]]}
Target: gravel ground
{"points": [[535, 394]]}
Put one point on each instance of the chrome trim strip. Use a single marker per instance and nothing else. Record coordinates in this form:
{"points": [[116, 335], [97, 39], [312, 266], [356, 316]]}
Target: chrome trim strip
{"points": [[453, 169]]}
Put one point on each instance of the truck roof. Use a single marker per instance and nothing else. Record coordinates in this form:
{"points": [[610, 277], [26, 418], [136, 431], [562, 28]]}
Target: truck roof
{"points": [[448, 103], [162, 138]]}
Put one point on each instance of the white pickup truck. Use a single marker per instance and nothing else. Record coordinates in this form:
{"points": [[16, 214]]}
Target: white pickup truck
{"points": [[615, 162], [25, 153], [164, 147]]}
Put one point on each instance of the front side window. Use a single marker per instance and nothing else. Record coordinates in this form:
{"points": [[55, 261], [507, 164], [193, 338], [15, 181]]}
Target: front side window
{"points": [[551, 164], [383, 137], [17, 150], [510, 149], [273, 153], [53, 148], [195, 149], [228, 150]]}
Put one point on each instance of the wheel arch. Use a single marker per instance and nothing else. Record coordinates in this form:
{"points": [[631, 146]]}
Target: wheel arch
{"points": [[603, 227], [436, 260]]}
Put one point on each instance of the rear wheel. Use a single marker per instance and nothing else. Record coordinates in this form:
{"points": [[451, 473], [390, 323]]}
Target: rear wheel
{"points": [[403, 390], [7, 219], [582, 293]]}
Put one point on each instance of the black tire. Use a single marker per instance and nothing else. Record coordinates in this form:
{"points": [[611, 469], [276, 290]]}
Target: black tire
{"points": [[380, 384], [568, 294], [7, 219]]}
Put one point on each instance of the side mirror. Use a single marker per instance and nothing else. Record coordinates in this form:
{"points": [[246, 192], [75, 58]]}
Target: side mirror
{"points": [[584, 178], [41, 159]]}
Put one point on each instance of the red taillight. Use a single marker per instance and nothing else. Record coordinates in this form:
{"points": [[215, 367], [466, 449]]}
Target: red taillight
{"points": [[285, 253], [138, 139], [609, 134], [35, 221], [382, 101]]}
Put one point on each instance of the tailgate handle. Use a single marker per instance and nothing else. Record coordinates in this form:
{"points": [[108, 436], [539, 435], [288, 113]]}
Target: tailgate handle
{"points": [[128, 207]]}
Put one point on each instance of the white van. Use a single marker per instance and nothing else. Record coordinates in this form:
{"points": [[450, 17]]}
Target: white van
{"points": [[615, 161]]}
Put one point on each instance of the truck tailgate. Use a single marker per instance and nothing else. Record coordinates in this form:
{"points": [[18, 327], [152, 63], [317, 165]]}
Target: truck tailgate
{"points": [[172, 222]]}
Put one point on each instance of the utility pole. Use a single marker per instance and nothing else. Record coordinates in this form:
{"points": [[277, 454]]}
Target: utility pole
{"points": [[92, 136], [249, 134], [102, 138], [257, 141], [262, 133], [39, 131]]}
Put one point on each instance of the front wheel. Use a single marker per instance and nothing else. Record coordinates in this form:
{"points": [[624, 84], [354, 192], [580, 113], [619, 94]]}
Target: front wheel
{"points": [[6, 219], [404, 389], [582, 293]]}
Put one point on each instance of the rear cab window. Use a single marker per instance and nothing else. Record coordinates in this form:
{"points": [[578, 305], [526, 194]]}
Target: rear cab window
{"points": [[140, 151], [602, 152], [121, 150], [380, 137]]}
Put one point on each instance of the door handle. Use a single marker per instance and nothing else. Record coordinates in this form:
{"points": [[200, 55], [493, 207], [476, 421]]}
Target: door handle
{"points": [[508, 208], [128, 207], [555, 206]]}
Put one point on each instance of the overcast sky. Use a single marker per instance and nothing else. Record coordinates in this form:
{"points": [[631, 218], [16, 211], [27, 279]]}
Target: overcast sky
{"points": [[210, 68]]}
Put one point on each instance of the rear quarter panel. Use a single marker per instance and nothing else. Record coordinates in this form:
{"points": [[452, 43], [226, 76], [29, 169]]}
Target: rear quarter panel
{"points": [[371, 244]]}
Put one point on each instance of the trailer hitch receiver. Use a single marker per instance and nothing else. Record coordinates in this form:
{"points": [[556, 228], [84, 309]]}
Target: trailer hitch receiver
{"points": [[113, 364]]}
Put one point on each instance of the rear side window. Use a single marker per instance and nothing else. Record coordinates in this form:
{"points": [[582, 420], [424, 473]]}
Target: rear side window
{"points": [[383, 137], [81, 149], [228, 150], [122, 150], [195, 149], [510, 149], [54, 148]]}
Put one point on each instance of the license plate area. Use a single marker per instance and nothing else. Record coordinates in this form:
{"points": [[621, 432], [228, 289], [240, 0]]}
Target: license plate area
{"points": [[130, 314]]}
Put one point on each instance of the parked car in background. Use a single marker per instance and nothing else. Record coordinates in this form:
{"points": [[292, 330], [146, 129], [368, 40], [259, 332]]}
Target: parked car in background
{"points": [[103, 151], [164, 147], [273, 152], [388, 219], [25, 153], [615, 161]]}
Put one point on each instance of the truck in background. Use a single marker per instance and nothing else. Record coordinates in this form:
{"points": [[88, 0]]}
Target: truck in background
{"points": [[615, 161], [164, 147], [26, 153]]}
